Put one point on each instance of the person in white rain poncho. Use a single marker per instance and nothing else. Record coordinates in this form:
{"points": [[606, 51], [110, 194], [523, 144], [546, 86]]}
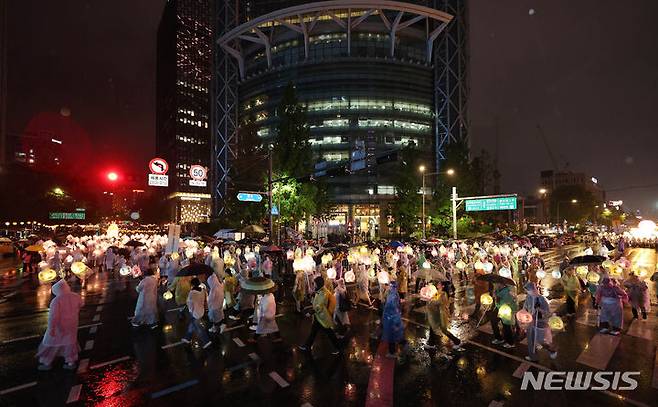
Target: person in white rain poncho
{"points": [[214, 260], [109, 260], [61, 338], [146, 310], [216, 303], [168, 267], [539, 332], [143, 260], [266, 316], [196, 303]]}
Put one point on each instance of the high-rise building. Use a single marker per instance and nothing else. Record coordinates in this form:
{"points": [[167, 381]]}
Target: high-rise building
{"points": [[183, 128], [373, 75]]}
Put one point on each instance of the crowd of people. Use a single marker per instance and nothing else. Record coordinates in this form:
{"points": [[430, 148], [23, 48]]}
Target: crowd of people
{"points": [[503, 281]]}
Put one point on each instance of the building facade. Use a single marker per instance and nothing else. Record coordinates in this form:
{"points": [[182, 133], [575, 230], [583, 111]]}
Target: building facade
{"points": [[373, 75], [183, 124]]}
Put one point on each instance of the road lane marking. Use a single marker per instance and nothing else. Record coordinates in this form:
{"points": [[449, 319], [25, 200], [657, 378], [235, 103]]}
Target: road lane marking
{"points": [[97, 318], [546, 369], [279, 380], [239, 342], [523, 367], [233, 328], [74, 394], [93, 330], [642, 328], [89, 345], [82, 367], [17, 388], [24, 338], [171, 345], [307, 404], [598, 352], [109, 362], [175, 309], [254, 357], [174, 389]]}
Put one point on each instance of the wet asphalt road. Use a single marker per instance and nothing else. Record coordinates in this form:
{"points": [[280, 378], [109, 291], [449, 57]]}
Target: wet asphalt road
{"points": [[122, 366]]}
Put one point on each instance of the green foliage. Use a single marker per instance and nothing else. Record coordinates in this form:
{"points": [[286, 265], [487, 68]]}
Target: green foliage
{"points": [[407, 206], [582, 210], [292, 150]]}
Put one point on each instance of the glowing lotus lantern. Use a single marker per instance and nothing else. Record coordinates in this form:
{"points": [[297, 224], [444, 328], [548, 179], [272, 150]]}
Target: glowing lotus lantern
{"points": [[257, 249], [616, 270], [167, 295], [524, 318], [78, 268], [290, 255], [112, 231], [540, 274], [460, 265], [642, 273], [409, 250], [136, 271], [309, 252], [589, 251], [428, 292], [556, 323], [478, 265], [488, 267], [189, 252], [97, 253], [247, 249], [331, 273], [582, 270], [363, 251], [607, 264], [47, 275], [382, 277], [371, 273], [298, 252], [43, 265], [400, 249], [376, 251], [349, 276], [505, 272], [238, 251], [206, 250], [486, 299], [534, 251], [351, 259], [505, 313], [175, 256], [427, 265], [374, 259], [367, 261], [556, 274], [593, 277], [434, 253], [476, 245], [125, 271]]}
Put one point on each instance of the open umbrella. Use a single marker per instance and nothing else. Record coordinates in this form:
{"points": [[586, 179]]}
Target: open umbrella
{"points": [[586, 260], [257, 285], [195, 269], [5, 240], [253, 229], [134, 243], [395, 244], [34, 248], [271, 249], [496, 279]]}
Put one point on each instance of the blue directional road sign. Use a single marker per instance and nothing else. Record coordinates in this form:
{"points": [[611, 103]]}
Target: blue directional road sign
{"points": [[275, 210], [249, 197], [505, 203]]}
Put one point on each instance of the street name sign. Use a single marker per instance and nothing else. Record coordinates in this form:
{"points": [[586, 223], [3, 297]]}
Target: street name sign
{"points": [[249, 197], [67, 215], [507, 203]]}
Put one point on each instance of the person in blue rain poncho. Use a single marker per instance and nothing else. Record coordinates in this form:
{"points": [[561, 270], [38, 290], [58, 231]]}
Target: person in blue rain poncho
{"points": [[392, 327]]}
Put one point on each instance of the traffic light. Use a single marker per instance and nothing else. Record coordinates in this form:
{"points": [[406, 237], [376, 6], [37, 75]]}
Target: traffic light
{"points": [[112, 176]]}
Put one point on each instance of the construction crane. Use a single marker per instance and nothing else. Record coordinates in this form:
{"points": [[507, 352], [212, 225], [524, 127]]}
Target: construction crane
{"points": [[548, 147]]}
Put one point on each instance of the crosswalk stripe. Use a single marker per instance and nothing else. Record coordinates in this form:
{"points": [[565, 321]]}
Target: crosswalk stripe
{"points": [[642, 328], [278, 379], [598, 351], [523, 367], [171, 345], [109, 362], [17, 388], [74, 394], [82, 366], [238, 342], [89, 344]]}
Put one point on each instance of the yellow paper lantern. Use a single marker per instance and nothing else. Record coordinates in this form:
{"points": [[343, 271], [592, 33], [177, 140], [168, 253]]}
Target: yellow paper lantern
{"points": [[478, 265], [616, 270], [167, 295], [582, 270], [78, 268], [607, 264], [593, 277], [556, 323], [505, 313], [460, 265], [642, 273], [363, 250], [428, 292], [486, 299], [47, 275]]}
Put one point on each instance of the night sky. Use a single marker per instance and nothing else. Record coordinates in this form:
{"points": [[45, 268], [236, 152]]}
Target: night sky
{"points": [[586, 71]]}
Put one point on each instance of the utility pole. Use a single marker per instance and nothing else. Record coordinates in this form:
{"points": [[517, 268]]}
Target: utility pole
{"points": [[269, 193], [424, 237], [454, 212]]}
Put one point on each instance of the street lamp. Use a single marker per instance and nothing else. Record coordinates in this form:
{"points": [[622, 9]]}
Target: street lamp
{"points": [[449, 171]]}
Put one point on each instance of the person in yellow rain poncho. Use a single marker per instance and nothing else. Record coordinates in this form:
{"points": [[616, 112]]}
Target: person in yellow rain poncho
{"points": [[323, 307], [572, 288], [505, 298], [181, 287], [299, 290], [438, 316]]}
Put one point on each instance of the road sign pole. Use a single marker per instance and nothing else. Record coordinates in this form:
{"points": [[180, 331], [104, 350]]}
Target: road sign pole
{"points": [[269, 195], [454, 212]]}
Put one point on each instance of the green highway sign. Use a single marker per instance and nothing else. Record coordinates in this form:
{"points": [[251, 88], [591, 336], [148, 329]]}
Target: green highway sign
{"points": [[67, 215], [506, 203]]}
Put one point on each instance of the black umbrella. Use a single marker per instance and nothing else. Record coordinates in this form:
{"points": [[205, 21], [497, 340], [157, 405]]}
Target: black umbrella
{"points": [[257, 285], [496, 279], [134, 243], [195, 269], [586, 260], [123, 252]]}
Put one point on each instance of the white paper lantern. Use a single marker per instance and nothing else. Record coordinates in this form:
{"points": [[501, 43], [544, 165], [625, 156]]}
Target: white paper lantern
{"points": [[331, 273], [505, 272], [556, 274], [540, 274], [427, 265], [382, 277], [349, 276]]}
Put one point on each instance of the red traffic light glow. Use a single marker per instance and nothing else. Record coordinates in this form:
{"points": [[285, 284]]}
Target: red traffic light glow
{"points": [[112, 176]]}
